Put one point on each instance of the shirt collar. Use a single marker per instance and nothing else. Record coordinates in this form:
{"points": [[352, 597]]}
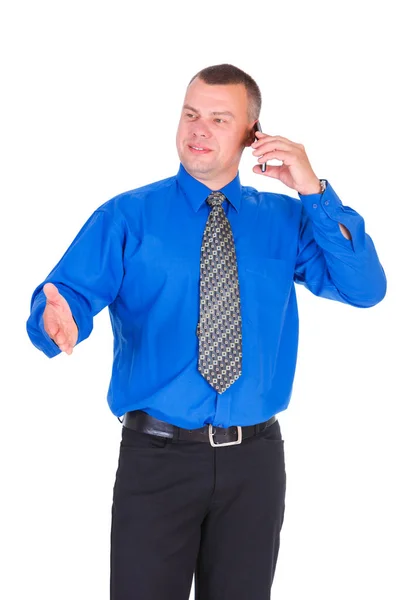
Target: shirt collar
{"points": [[197, 192]]}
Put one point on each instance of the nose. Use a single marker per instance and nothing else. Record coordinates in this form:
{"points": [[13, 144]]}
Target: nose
{"points": [[200, 129]]}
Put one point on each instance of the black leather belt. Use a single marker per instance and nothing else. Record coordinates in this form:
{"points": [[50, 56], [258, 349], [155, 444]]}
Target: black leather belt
{"points": [[216, 436]]}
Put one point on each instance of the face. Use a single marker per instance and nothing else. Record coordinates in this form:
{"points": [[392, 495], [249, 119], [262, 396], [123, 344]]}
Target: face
{"points": [[213, 118]]}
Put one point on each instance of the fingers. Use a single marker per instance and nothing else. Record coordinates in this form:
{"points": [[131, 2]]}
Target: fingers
{"points": [[270, 145], [263, 137], [283, 156], [67, 336], [59, 323], [64, 342], [274, 149]]}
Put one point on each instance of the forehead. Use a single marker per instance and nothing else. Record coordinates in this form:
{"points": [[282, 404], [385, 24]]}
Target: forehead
{"points": [[207, 98]]}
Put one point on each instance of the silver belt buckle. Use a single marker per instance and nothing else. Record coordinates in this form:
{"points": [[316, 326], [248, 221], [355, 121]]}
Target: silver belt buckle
{"points": [[211, 434]]}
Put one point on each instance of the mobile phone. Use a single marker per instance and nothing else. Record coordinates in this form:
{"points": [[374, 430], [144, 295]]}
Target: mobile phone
{"points": [[257, 127]]}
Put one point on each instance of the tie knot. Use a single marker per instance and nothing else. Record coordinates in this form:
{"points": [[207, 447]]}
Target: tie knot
{"points": [[216, 199]]}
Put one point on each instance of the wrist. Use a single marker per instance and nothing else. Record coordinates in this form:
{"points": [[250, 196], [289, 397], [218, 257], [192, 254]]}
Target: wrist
{"points": [[314, 188]]}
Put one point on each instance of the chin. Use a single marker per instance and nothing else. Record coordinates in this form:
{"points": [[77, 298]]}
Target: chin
{"points": [[196, 167], [203, 163]]}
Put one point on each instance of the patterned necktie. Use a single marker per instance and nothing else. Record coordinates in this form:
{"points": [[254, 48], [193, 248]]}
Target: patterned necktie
{"points": [[220, 325]]}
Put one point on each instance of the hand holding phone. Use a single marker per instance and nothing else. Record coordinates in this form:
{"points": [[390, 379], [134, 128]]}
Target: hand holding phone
{"points": [[257, 127]]}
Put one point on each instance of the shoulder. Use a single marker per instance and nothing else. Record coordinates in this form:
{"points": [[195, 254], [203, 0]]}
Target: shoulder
{"points": [[127, 204]]}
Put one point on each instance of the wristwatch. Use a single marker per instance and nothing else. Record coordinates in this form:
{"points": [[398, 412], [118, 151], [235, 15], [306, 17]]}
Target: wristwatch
{"points": [[323, 183]]}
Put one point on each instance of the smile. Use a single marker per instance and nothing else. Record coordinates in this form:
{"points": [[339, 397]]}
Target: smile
{"points": [[198, 150]]}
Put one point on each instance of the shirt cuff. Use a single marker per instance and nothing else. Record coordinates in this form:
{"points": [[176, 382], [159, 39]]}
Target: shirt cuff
{"points": [[327, 211], [36, 331]]}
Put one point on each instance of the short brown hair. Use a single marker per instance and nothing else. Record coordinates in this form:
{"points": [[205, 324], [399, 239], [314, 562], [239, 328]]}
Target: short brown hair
{"points": [[229, 74]]}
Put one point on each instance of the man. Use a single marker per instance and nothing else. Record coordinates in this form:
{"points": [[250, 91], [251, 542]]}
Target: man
{"points": [[198, 273]]}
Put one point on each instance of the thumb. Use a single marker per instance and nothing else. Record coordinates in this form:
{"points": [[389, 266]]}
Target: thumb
{"points": [[51, 292]]}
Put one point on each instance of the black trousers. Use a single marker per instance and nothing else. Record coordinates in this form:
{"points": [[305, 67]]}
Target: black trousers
{"points": [[184, 508]]}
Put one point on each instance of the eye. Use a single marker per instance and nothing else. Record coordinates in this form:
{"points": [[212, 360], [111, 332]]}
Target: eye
{"points": [[189, 115], [217, 119]]}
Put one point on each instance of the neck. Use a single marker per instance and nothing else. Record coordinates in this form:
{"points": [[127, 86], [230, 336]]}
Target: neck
{"points": [[218, 182]]}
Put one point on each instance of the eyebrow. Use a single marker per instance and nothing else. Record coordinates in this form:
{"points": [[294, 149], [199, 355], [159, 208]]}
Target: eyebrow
{"points": [[215, 112]]}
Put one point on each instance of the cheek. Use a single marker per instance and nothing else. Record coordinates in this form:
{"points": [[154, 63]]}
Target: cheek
{"points": [[229, 145], [180, 134]]}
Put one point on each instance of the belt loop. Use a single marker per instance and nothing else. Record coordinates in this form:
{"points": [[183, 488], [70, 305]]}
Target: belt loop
{"points": [[175, 434]]}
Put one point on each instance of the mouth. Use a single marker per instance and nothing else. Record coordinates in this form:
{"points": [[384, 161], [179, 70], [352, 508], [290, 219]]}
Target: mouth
{"points": [[199, 149]]}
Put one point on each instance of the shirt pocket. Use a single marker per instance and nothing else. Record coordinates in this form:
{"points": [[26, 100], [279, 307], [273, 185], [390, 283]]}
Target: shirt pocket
{"points": [[274, 273], [265, 286]]}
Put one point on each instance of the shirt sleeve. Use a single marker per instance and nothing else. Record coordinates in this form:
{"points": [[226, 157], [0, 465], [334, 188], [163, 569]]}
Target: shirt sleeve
{"points": [[88, 276], [328, 264]]}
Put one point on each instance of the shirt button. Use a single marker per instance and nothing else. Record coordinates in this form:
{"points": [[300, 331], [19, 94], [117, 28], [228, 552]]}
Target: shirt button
{"points": [[315, 205], [326, 202]]}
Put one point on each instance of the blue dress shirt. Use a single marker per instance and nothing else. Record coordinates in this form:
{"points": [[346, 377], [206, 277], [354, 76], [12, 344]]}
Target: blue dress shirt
{"points": [[139, 254]]}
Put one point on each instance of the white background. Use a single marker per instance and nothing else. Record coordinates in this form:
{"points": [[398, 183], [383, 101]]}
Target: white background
{"points": [[91, 96]]}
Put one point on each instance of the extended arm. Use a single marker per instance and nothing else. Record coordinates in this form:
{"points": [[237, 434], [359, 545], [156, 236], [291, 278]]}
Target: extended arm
{"points": [[88, 276]]}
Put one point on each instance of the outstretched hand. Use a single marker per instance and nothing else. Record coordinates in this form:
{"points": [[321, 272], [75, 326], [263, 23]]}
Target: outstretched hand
{"points": [[58, 320]]}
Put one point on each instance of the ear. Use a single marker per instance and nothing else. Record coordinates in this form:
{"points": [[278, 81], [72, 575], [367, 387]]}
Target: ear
{"points": [[250, 136]]}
